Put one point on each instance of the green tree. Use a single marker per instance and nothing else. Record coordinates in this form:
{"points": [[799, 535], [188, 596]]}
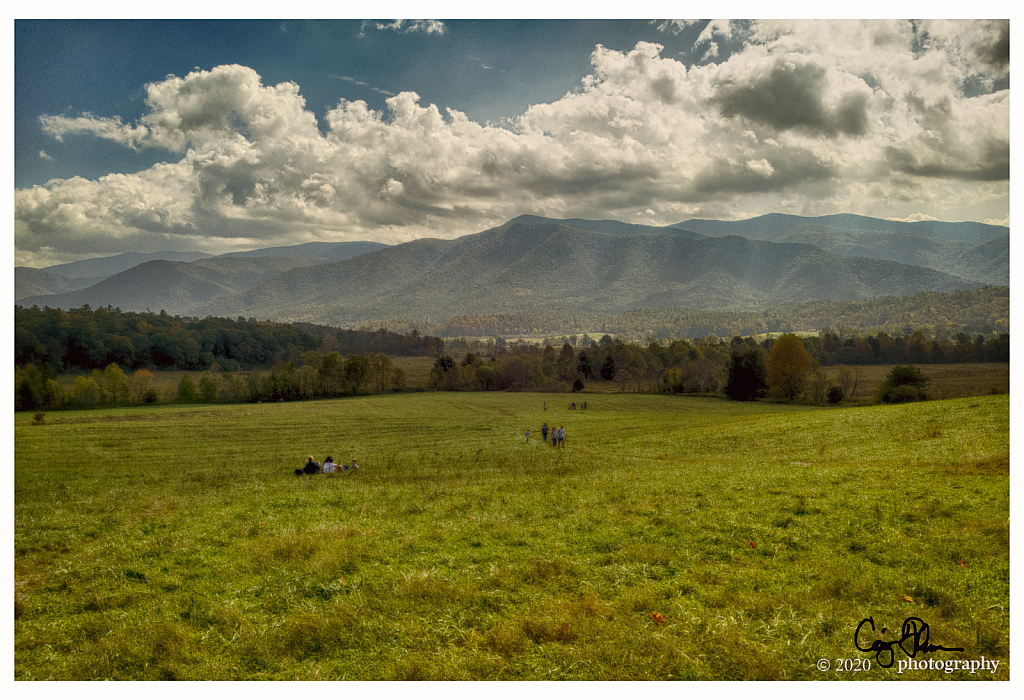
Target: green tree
{"points": [[207, 388], [903, 383], [187, 391], [747, 377], [585, 367], [357, 371], [86, 391], [608, 368], [788, 366], [115, 383], [382, 370], [332, 373]]}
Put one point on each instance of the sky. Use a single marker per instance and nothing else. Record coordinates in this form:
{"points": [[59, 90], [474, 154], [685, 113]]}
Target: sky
{"points": [[218, 136]]}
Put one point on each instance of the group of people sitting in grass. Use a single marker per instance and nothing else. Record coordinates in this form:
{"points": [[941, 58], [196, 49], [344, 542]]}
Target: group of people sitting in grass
{"points": [[328, 467]]}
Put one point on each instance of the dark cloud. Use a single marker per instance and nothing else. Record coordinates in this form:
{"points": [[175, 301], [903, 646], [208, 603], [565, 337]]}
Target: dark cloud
{"points": [[789, 169], [993, 164], [791, 97], [996, 52]]}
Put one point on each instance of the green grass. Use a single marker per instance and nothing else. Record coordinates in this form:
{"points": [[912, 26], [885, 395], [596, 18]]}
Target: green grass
{"points": [[176, 543]]}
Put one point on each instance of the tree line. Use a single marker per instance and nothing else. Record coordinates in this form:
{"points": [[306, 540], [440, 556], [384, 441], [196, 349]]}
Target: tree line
{"points": [[306, 362], [316, 376], [738, 368], [84, 339]]}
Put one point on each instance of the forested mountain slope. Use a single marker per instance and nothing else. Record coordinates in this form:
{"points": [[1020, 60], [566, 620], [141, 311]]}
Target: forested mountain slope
{"points": [[542, 265]]}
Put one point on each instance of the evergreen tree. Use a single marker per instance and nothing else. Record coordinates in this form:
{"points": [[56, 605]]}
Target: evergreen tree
{"points": [[608, 368], [584, 366], [748, 376]]}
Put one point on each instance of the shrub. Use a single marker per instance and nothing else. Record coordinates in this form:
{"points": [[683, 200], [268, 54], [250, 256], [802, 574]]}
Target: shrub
{"points": [[903, 394], [904, 383], [835, 394]]}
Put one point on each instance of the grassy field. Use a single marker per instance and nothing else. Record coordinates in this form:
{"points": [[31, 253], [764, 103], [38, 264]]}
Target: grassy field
{"points": [[671, 538]]}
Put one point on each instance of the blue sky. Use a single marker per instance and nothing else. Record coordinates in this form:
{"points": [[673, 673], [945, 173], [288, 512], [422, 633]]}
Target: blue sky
{"points": [[489, 69], [231, 135]]}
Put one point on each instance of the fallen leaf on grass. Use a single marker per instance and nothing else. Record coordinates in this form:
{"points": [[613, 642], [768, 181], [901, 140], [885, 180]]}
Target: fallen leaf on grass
{"points": [[658, 617], [908, 599]]}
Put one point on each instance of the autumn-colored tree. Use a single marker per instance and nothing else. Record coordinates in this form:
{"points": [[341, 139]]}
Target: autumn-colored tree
{"points": [[789, 365], [142, 381]]}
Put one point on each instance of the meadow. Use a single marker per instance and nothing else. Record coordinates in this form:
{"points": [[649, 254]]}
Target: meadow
{"points": [[671, 538]]}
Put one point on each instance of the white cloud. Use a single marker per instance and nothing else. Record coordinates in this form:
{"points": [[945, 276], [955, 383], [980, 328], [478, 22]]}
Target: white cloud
{"points": [[913, 218], [808, 117], [407, 26]]}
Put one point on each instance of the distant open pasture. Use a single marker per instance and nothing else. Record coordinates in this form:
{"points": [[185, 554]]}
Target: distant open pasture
{"points": [[671, 538]]}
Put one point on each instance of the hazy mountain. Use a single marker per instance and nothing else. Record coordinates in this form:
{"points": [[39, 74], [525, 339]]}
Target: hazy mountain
{"points": [[29, 281], [549, 266], [105, 267], [979, 252], [176, 287], [773, 227], [321, 250]]}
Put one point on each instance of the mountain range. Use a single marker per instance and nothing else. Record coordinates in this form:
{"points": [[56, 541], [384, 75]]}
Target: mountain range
{"points": [[552, 267]]}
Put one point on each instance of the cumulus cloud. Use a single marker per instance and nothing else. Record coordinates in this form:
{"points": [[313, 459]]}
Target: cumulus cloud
{"points": [[808, 117]]}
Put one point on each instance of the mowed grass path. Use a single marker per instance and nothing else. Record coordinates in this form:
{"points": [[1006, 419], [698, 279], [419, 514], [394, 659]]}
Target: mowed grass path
{"points": [[671, 538]]}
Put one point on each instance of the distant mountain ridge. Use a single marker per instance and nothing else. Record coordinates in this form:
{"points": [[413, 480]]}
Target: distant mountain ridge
{"points": [[68, 277], [558, 268], [541, 265], [979, 252], [771, 227], [106, 266], [172, 285]]}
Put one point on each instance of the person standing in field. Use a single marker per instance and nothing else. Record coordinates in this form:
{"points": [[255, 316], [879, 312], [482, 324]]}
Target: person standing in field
{"points": [[527, 434], [544, 432], [561, 436]]}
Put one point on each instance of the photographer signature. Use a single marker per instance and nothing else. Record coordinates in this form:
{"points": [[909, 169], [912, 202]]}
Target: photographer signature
{"points": [[913, 628]]}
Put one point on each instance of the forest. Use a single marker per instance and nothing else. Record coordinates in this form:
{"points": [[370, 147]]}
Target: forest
{"points": [[84, 339], [983, 311]]}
